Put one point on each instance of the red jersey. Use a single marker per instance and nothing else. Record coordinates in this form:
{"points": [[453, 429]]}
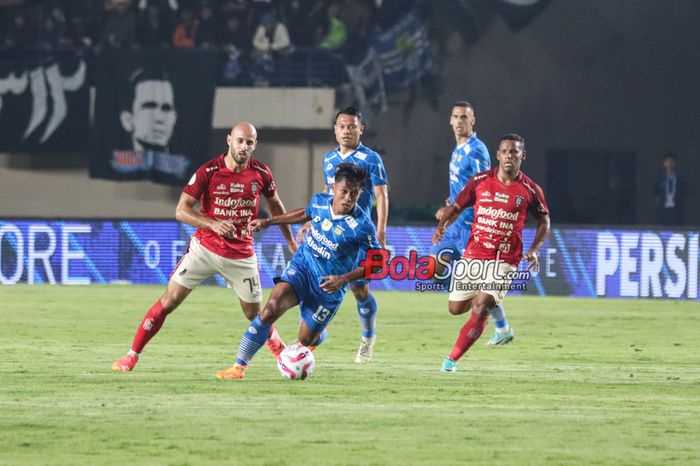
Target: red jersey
{"points": [[499, 214], [227, 195]]}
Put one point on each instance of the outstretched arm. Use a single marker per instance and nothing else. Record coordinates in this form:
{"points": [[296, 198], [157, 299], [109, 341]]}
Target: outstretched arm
{"points": [[185, 213], [449, 214], [541, 234], [295, 216], [277, 209]]}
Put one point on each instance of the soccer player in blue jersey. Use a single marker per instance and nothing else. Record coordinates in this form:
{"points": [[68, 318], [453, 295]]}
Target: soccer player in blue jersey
{"points": [[469, 157], [348, 129], [317, 276]]}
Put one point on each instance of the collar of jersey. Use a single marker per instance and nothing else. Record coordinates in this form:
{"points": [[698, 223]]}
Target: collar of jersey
{"points": [[338, 217], [359, 146], [471, 139]]}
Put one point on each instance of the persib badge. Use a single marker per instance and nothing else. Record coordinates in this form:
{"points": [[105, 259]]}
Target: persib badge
{"points": [[326, 224], [338, 230]]}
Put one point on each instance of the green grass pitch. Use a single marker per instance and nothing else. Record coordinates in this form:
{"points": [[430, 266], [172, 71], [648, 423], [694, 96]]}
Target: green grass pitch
{"points": [[585, 382]]}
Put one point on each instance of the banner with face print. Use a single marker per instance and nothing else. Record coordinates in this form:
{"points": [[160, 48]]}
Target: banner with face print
{"points": [[44, 102], [152, 113]]}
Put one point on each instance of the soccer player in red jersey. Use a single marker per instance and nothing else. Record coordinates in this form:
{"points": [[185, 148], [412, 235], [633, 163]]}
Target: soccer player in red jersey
{"points": [[228, 189], [501, 198]]}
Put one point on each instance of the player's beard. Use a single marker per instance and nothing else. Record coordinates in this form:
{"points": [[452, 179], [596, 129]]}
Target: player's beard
{"points": [[240, 159]]}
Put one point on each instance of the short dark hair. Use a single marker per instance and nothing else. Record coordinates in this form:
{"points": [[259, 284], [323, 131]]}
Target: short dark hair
{"points": [[512, 137], [352, 111], [669, 155], [137, 77], [351, 173], [463, 103]]}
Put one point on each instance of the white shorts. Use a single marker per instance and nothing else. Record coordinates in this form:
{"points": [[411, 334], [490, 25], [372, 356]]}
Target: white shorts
{"points": [[199, 264], [472, 276]]}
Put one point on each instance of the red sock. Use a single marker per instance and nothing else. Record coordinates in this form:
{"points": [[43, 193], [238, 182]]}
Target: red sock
{"points": [[152, 322], [273, 334], [471, 332]]}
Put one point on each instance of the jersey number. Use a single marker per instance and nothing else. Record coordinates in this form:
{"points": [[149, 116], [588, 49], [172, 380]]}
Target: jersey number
{"points": [[252, 283], [321, 314]]}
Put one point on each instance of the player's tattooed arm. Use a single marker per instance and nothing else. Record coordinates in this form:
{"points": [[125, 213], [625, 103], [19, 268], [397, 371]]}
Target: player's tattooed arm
{"points": [[541, 233], [295, 216], [276, 209], [186, 213], [382, 213]]}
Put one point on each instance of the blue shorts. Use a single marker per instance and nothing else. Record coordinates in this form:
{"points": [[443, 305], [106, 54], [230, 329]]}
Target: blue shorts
{"points": [[317, 308], [454, 242]]}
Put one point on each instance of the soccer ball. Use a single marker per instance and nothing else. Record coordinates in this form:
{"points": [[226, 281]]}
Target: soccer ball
{"points": [[296, 362]]}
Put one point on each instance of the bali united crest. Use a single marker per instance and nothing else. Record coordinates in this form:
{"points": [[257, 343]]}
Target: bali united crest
{"points": [[519, 200], [254, 187]]}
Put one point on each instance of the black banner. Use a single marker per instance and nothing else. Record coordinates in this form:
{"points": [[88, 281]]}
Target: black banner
{"points": [[44, 102], [153, 113]]}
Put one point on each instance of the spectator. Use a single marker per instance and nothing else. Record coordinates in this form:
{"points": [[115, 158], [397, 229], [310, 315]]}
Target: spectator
{"points": [[50, 34], [234, 37], [20, 34], [669, 192], [186, 29], [120, 27], [300, 18], [77, 32], [236, 45], [337, 34], [270, 44], [155, 26], [209, 33], [83, 24], [271, 37], [239, 8], [358, 17]]}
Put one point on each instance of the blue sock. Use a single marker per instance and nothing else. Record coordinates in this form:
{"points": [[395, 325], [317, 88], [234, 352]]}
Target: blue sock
{"points": [[253, 339], [368, 315], [321, 338], [499, 318]]}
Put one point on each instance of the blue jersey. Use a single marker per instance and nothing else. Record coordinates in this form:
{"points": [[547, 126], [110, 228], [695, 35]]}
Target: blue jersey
{"points": [[365, 158], [335, 243], [467, 160]]}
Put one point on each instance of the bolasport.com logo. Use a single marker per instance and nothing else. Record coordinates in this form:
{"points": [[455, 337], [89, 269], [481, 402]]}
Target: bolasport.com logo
{"points": [[463, 274]]}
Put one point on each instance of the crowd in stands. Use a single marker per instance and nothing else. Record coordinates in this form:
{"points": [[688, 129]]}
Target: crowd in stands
{"points": [[263, 32]]}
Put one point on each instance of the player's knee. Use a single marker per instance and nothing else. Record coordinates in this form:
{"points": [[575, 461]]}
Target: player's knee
{"points": [[483, 305], [361, 292], [458, 307]]}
